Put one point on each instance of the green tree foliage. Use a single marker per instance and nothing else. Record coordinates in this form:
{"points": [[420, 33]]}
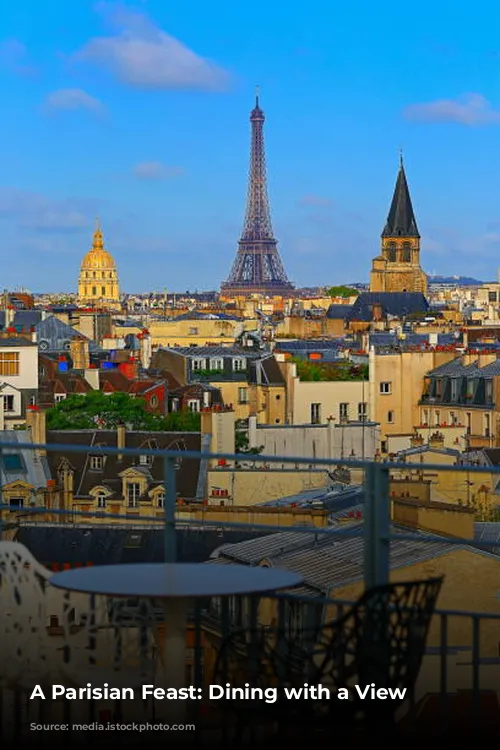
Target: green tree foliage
{"points": [[342, 291], [327, 371], [88, 411]]}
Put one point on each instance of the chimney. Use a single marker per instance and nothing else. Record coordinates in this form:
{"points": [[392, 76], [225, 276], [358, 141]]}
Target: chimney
{"points": [[91, 375], [121, 438], [436, 517], [36, 423], [9, 314], [145, 349], [486, 358], [218, 425], [416, 440], [79, 350], [436, 440], [252, 432], [469, 357]]}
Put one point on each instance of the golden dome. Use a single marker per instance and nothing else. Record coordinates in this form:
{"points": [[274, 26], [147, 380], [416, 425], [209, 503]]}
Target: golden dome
{"points": [[97, 257]]}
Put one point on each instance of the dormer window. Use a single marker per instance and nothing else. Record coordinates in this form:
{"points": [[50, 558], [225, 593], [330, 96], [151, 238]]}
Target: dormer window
{"points": [[239, 363], [146, 460], [160, 500], [217, 364], [199, 364], [96, 463]]}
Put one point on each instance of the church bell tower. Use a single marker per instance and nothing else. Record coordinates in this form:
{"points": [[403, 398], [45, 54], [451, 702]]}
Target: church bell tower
{"points": [[397, 268]]}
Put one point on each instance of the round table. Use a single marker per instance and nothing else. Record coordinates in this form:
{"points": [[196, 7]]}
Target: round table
{"points": [[176, 584]]}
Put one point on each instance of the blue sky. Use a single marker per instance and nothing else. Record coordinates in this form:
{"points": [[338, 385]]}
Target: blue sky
{"points": [[139, 114]]}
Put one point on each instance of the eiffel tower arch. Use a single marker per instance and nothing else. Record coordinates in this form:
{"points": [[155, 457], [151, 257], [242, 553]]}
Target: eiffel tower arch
{"points": [[257, 268]]}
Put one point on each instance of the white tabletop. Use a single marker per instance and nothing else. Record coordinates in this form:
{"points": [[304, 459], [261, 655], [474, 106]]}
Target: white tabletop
{"points": [[174, 580]]}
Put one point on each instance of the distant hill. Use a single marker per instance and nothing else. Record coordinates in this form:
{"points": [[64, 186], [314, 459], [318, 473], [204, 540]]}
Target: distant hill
{"points": [[458, 280]]}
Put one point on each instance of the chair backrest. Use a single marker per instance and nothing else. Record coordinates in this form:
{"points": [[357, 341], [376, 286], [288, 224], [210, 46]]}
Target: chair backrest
{"points": [[23, 582], [89, 631], [382, 638]]}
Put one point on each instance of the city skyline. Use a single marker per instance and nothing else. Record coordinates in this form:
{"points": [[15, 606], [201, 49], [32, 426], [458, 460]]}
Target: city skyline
{"points": [[139, 114]]}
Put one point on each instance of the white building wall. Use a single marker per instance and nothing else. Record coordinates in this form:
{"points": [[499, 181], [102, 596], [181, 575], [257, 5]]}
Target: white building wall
{"points": [[315, 441], [28, 368]]}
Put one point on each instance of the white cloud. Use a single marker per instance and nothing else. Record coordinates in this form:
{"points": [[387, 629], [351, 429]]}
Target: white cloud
{"points": [[469, 109], [155, 170], [142, 55], [72, 99]]}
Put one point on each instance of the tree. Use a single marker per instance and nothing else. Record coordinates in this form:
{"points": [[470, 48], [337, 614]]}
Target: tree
{"points": [[96, 409], [342, 291]]}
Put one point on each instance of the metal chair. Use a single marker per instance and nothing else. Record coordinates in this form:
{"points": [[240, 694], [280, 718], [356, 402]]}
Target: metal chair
{"points": [[49, 636], [380, 640]]}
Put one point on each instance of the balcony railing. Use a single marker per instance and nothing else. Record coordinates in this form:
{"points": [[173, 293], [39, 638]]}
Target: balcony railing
{"points": [[463, 649]]}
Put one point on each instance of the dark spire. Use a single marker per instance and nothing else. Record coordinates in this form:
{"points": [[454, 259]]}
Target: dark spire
{"points": [[401, 221]]}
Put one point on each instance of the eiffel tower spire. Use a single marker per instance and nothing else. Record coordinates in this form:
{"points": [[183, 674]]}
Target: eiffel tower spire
{"points": [[257, 268]]}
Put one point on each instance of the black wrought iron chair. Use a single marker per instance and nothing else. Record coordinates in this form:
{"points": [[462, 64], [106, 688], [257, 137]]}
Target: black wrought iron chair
{"points": [[380, 640]]}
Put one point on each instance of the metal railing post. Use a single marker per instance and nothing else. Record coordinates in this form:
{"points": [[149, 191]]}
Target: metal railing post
{"points": [[170, 473], [1, 496], [376, 525]]}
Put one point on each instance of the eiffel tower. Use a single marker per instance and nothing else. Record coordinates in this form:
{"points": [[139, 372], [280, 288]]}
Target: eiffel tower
{"points": [[257, 268]]}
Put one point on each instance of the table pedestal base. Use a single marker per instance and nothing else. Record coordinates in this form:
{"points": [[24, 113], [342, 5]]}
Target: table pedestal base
{"points": [[173, 673]]}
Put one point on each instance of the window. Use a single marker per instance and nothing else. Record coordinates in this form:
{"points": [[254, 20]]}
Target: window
{"points": [[59, 397], [160, 499], [315, 413], [94, 290], [344, 411], [198, 364], [175, 404], [487, 426], [243, 395], [362, 411], [8, 403], [385, 388], [239, 364], [15, 503], [406, 254], [383, 446], [193, 404], [96, 462], [437, 418], [133, 493], [103, 291], [12, 462], [217, 364], [454, 389], [193, 332], [146, 460], [469, 421], [489, 392], [391, 252], [390, 417], [32, 400], [153, 401], [101, 500], [9, 363], [425, 416], [453, 418]]}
